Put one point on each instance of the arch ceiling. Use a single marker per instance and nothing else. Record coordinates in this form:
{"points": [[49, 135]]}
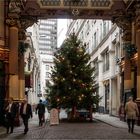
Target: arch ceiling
{"points": [[84, 9]]}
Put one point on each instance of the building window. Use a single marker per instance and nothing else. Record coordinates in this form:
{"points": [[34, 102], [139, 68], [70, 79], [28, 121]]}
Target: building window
{"points": [[107, 98], [82, 35], [48, 75], [105, 61], [107, 26], [29, 62], [87, 27], [47, 67], [101, 33], [87, 47], [104, 28], [96, 68], [95, 40]]}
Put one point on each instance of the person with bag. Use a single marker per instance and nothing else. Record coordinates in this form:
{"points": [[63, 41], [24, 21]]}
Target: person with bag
{"points": [[132, 111], [41, 112], [26, 113], [11, 110]]}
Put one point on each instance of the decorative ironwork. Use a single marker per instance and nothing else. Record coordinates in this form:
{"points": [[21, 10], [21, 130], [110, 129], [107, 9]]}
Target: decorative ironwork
{"points": [[82, 4], [130, 49], [100, 3], [75, 12], [75, 3], [138, 17], [50, 2]]}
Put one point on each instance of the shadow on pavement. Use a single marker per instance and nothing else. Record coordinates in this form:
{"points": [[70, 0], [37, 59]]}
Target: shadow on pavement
{"points": [[136, 134], [20, 136], [4, 135]]}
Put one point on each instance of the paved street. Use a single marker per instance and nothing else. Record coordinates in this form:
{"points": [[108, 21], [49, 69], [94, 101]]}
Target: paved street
{"points": [[71, 131]]}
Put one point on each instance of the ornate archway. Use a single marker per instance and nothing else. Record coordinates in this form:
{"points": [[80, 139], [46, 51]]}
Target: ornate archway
{"points": [[20, 14]]}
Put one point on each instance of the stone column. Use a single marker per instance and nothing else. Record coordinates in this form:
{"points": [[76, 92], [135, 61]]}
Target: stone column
{"points": [[123, 19], [22, 38], [13, 63], [138, 63], [138, 60], [2, 23], [21, 78], [24, 24], [127, 73], [127, 36]]}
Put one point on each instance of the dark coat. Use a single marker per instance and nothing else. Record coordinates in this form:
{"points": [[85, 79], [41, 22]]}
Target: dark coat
{"points": [[14, 109], [28, 111], [40, 108]]}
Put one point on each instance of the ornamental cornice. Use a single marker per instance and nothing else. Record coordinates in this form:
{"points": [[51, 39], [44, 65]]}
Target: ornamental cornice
{"points": [[137, 17], [124, 20], [138, 23], [27, 22], [15, 6], [12, 22]]}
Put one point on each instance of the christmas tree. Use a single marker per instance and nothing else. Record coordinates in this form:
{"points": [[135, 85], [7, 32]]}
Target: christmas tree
{"points": [[72, 77]]}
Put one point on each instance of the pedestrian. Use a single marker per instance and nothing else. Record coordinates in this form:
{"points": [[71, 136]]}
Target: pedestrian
{"points": [[132, 111], [11, 111], [26, 113], [40, 109], [121, 112]]}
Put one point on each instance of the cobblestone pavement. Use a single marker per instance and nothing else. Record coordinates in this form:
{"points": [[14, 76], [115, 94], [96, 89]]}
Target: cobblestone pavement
{"points": [[72, 131]]}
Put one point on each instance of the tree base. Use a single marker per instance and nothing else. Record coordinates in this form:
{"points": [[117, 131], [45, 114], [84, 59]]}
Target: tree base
{"points": [[79, 119]]}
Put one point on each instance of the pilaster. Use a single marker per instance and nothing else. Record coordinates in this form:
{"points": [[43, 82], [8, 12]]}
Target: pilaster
{"points": [[138, 49], [138, 60], [17, 29], [124, 20], [2, 23], [22, 37], [24, 24], [13, 58]]}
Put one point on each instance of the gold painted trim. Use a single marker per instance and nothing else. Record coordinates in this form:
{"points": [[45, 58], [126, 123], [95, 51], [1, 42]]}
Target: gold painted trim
{"points": [[135, 57], [2, 42], [61, 6], [4, 55], [2, 49], [138, 100], [138, 30]]}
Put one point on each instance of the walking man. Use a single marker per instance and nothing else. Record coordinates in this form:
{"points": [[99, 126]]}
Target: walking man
{"points": [[11, 112], [41, 112], [26, 113], [132, 111]]}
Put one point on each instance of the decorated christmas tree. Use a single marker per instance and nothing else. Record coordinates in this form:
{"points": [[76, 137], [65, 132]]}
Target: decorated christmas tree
{"points": [[72, 77]]}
